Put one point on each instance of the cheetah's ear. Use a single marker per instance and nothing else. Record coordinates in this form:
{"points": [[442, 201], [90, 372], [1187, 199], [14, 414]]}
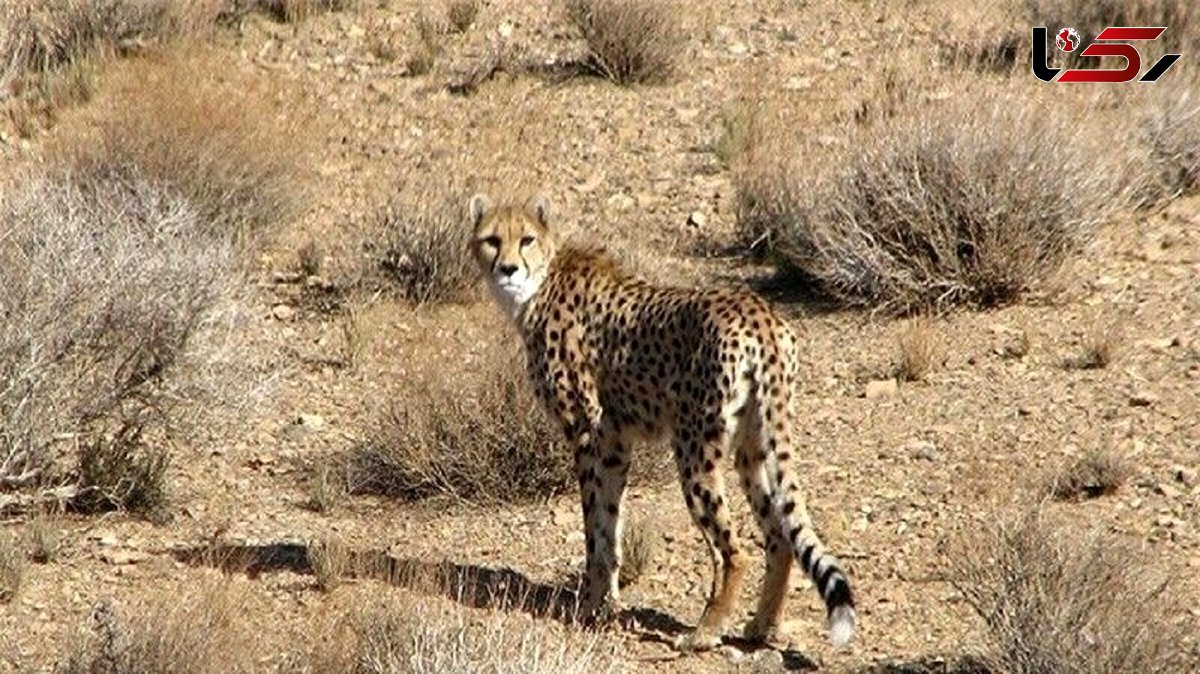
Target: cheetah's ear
{"points": [[478, 207], [540, 207]]}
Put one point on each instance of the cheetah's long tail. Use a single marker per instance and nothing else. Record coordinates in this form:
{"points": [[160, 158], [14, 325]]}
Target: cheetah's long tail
{"points": [[826, 572]]}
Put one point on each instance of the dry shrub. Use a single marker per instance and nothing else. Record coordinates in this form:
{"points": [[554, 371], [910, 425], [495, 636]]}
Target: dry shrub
{"points": [[1098, 472], [1100, 346], [987, 37], [739, 128], [104, 277], [37, 36], [462, 13], [641, 544], [1172, 131], [12, 568], [952, 203], [120, 471], [226, 143], [308, 258], [629, 41], [201, 631], [42, 535], [423, 637], [1061, 598], [330, 563], [326, 488], [420, 241], [493, 443], [921, 349]]}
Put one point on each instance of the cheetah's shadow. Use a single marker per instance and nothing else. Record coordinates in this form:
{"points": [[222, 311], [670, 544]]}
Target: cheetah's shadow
{"points": [[471, 585]]}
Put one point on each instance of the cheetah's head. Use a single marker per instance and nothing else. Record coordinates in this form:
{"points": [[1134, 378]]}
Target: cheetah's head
{"points": [[513, 247]]}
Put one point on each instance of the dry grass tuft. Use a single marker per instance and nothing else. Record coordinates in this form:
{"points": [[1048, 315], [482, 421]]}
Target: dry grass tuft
{"points": [[198, 632], [39, 36], [326, 489], [309, 258], [945, 205], [740, 125], [921, 349], [330, 562], [424, 637], [12, 568], [641, 544], [122, 472], [1058, 599], [462, 13], [42, 536], [1172, 131], [493, 443], [421, 244], [227, 144], [105, 276], [1101, 344], [1098, 472], [629, 41]]}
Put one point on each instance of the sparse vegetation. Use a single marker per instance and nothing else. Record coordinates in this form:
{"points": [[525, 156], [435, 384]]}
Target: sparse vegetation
{"points": [[104, 277], [42, 534], [641, 543], [326, 488], [220, 142], [739, 128], [921, 349], [420, 244], [194, 632], [628, 41], [39, 36], [330, 562], [12, 568], [121, 471], [308, 258], [424, 637], [1172, 132], [945, 205], [1100, 346], [462, 13], [1097, 472], [490, 443], [1055, 598]]}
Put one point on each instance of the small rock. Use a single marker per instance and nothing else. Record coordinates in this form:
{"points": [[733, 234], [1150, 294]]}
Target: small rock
{"points": [[1188, 476], [1024, 411], [1166, 490], [697, 220], [283, 312], [621, 202], [286, 276], [1143, 399], [798, 83], [923, 450], [310, 420], [575, 538], [881, 388], [739, 48]]}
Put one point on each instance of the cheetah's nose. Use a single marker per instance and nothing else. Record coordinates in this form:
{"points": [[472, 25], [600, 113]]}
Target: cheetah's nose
{"points": [[506, 269]]}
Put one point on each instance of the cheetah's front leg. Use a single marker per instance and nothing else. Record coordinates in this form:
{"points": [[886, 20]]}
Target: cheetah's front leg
{"points": [[602, 466]]}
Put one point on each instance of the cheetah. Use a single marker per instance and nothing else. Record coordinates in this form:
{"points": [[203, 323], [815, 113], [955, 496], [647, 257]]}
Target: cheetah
{"points": [[616, 360]]}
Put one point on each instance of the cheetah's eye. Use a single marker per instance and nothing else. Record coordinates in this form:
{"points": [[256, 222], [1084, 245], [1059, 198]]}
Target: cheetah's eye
{"points": [[526, 240], [493, 241]]}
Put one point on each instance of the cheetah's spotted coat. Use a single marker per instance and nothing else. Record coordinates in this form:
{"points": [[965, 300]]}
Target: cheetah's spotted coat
{"points": [[615, 359]]}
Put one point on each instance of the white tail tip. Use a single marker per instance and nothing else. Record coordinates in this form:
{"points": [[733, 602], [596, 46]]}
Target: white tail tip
{"points": [[841, 625]]}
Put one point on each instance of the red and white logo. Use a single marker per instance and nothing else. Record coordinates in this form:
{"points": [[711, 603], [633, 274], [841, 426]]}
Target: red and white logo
{"points": [[1067, 40]]}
